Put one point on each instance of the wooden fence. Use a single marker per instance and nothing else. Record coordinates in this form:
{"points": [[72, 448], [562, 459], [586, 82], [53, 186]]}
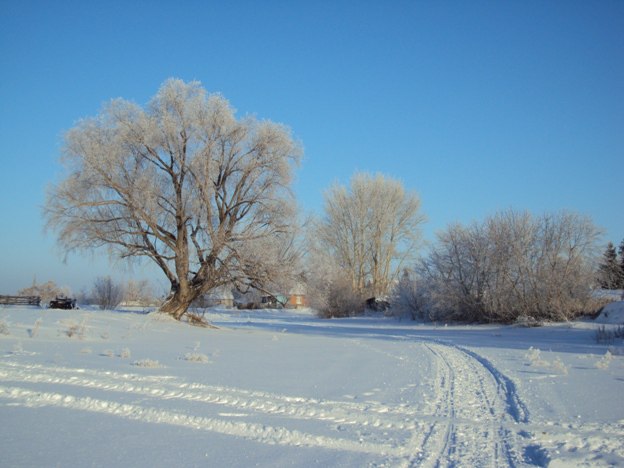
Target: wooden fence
{"points": [[20, 300]]}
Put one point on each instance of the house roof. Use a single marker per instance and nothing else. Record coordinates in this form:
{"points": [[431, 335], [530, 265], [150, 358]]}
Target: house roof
{"points": [[298, 289]]}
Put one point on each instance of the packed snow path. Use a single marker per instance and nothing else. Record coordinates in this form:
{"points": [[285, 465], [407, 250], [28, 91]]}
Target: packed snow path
{"points": [[473, 416], [475, 413]]}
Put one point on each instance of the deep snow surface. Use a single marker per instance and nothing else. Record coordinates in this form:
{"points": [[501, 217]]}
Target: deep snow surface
{"points": [[283, 388]]}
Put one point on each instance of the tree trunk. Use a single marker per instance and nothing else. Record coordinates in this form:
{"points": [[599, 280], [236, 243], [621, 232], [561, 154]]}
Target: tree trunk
{"points": [[178, 302]]}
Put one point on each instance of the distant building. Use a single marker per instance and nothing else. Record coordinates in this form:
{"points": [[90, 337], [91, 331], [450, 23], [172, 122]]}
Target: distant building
{"points": [[219, 297], [276, 301], [297, 298]]}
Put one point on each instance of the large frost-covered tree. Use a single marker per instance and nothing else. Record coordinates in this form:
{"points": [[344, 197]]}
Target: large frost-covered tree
{"points": [[370, 229], [184, 183]]}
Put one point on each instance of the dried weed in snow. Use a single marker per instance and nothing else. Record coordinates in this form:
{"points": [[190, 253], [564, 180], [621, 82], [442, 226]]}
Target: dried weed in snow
{"points": [[149, 363], [533, 355], [197, 357], [604, 361], [34, 331], [79, 330]]}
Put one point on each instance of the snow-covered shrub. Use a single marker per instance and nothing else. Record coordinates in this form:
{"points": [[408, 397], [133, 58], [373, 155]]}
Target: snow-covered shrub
{"points": [[331, 294], [604, 361], [4, 328], [410, 299], [558, 366], [196, 357], [533, 355], [75, 329], [513, 264], [329, 287], [124, 353], [34, 331]]}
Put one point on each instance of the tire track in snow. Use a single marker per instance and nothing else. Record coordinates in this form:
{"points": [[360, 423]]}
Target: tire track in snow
{"points": [[252, 431], [470, 389], [370, 413], [370, 427], [472, 420]]}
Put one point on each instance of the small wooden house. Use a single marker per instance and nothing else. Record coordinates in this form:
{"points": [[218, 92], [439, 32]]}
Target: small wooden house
{"points": [[297, 298], [219, 297]]}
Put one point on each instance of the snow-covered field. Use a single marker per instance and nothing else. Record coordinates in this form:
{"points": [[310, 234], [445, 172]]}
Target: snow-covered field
{"points": [[283, 388]]}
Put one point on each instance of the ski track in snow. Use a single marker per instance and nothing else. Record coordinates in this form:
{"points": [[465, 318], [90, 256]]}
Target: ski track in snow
{"points": [[475, 418]]}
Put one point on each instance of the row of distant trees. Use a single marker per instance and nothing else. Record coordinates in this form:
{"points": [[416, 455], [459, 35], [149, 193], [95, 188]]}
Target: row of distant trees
{"points": [[207, 198]]}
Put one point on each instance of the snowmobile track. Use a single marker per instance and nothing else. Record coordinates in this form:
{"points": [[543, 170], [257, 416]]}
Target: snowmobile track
{"points": [[475, 407], [474, 418]]}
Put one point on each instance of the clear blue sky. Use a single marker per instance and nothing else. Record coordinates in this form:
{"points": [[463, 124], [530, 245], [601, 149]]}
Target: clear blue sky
{"points": [[477, 106]]}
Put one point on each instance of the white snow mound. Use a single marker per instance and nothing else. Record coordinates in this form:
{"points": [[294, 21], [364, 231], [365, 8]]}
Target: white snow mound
{"points": [[612, 313]]}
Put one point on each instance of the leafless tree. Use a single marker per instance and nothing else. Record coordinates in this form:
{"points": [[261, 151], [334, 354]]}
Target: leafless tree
{"points": [[184, 183], [107, 293], [513, 265], [138, 292], [370, 230]]}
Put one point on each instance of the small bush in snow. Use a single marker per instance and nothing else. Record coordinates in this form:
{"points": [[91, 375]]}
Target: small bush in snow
{"points": [[125, 353], [4, 328], [534, 357], [558, 366], [78, 330], [604, 361], [196, 357], [149, 363], [108, 353]]}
